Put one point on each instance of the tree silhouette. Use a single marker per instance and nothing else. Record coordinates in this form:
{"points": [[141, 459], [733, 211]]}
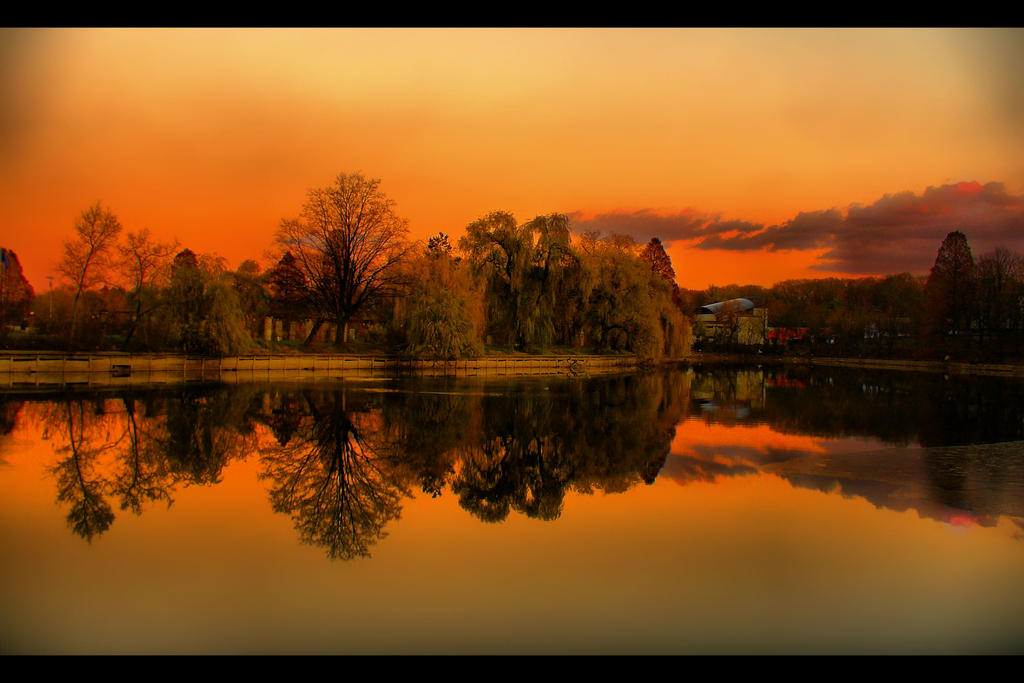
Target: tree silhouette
{"points": [[144, 475], [77, 484], [438, 245], [289, 299], [145, 263], [334, 484], [949, 288], [87, 256], [204, 429], [347, 242], [999, 274]]}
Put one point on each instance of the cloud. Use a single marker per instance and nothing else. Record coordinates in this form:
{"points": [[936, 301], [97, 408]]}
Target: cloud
{"points": [[899, 232], [644, 224], [904, 231], [806, 231]]}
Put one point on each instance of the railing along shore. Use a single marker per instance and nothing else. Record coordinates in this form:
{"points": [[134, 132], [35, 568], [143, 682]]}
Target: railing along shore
{"points": [[24, 368]]}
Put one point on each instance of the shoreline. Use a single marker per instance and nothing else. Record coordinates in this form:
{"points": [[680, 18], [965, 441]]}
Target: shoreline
{"points": [[26, 369], [23, 369], [935, 366]]}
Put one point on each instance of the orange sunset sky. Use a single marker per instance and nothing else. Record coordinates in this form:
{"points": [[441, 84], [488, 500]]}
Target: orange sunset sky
{"points": [[757, 154]]}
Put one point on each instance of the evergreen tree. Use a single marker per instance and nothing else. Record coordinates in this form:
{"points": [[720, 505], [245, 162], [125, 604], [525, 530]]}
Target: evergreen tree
{"points": [[289, 301], [653, 254], [950, 286]]}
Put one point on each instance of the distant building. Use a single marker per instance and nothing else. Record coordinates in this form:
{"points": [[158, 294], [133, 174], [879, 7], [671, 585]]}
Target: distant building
{"points": [[735, 321]]}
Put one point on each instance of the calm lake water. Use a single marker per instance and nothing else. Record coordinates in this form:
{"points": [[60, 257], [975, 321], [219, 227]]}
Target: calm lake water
{"points": [[680, 511]]}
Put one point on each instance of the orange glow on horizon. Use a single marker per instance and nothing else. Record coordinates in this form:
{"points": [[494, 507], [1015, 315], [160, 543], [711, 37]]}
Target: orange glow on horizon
{"points": [[213, 136]]}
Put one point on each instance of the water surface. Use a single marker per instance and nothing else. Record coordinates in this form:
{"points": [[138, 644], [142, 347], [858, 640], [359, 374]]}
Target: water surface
{"points": [[680, 511]]}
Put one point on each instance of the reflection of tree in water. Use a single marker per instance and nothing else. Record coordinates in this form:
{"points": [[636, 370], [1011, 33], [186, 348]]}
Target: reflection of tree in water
{"points": [[286, 415], [542, 442], [9, 410], [342, 470], [143, 475], [205, 428], [424, 430], [527, 473], [333, 480], [898, 407], [77, 482], [9, 414], [115, 450], [970, 428]]}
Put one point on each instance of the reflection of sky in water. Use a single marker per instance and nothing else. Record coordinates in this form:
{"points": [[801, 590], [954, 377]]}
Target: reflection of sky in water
{"points": [[903, 478], [777, 541]]}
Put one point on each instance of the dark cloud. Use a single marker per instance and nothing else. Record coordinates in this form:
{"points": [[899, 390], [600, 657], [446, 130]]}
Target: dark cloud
{"points": [[904, 231], [806, 231], [899, 232], [644, 224]]}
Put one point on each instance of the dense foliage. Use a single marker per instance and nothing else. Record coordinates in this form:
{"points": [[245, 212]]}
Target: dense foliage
{"points": [[345, 275], [965, 309]]}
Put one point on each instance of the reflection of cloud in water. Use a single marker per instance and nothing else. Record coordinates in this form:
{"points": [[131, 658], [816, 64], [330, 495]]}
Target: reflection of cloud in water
{"points": [[686, 468], [961, 486], [892, 496], [703, 452], [695, 432]]}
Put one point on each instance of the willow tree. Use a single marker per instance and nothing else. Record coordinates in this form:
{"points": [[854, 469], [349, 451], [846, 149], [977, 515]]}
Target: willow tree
{"points": [[440, 314], [346, 241], [630, 306], [523, 265]]}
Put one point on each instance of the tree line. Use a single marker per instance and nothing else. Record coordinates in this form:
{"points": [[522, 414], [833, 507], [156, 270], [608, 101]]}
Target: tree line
{"points": [[346, 273], [964, 308]]}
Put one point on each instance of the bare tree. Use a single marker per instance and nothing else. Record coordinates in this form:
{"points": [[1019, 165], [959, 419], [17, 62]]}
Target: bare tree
{"points": [[346, 242], [998, 273], [87, 257], [144, 263]]}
